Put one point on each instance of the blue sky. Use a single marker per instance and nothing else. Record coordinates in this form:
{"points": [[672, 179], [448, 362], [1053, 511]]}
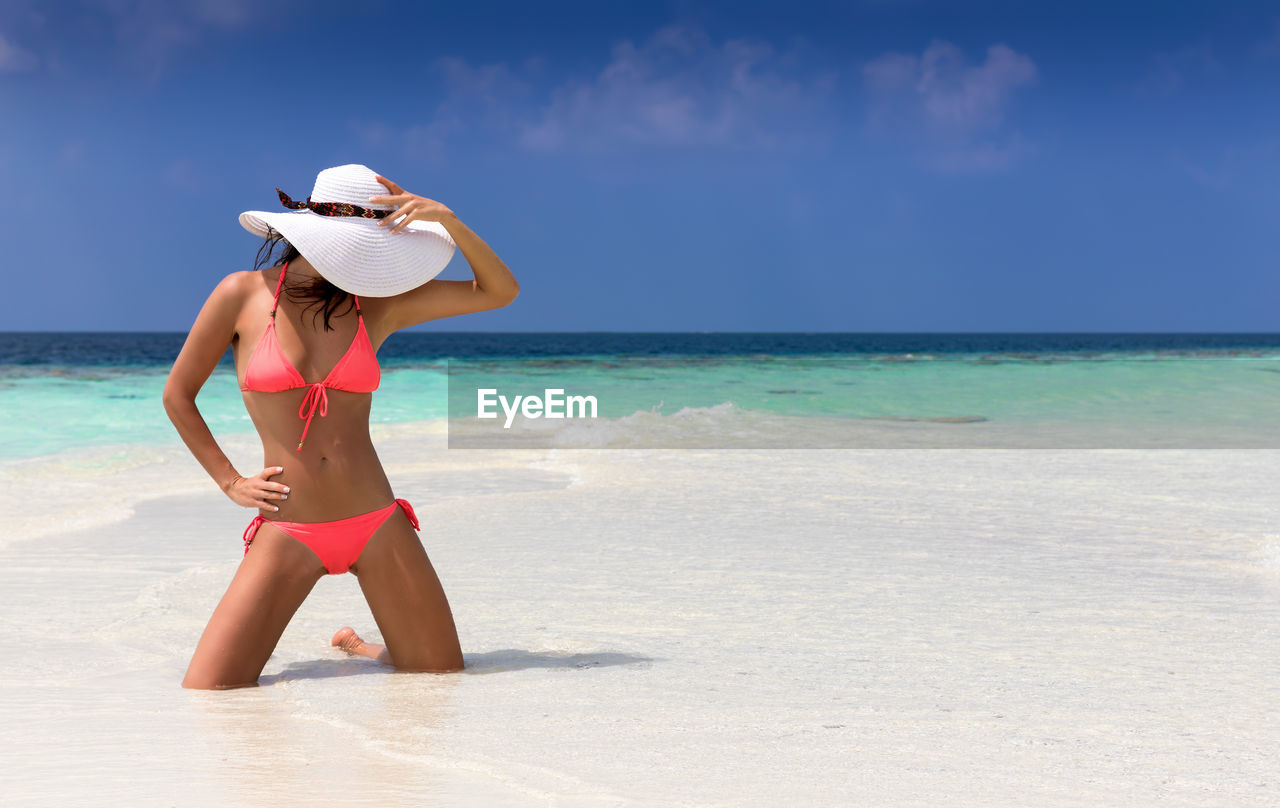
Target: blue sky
{"points": [[844, 166]]}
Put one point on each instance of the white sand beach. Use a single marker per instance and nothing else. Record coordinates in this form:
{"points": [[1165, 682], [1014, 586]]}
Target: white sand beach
{"points": [[672, 628]]}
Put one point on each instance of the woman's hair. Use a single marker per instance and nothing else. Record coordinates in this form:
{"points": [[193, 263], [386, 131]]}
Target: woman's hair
{"points": [[315, 290]]}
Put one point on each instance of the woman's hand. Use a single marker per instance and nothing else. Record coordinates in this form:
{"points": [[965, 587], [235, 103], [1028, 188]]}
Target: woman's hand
{"points": [[411, 207], [257, 491]]}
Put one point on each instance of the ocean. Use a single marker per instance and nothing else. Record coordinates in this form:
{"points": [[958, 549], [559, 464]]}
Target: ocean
{"points": [[811, 569], [718, 390]]}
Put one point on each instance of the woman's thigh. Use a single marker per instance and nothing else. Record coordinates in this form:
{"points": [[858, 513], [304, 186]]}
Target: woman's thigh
{"points": [[407, 600], [273, 580]]}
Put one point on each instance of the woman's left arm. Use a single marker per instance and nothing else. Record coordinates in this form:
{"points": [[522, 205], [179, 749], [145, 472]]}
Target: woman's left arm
{"points": [[494, 285]]}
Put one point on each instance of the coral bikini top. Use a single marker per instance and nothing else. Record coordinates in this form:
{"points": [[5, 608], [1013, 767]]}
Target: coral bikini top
{"points": [[270, 371]]}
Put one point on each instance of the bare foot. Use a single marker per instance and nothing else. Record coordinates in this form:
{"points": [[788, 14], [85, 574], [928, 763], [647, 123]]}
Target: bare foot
{"points": [[349, 641]]}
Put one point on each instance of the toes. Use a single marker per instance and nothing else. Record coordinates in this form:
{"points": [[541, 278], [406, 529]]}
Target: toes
{"points": [[345, 637]]}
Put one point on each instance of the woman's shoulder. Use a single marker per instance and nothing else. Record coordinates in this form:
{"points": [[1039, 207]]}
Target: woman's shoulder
{"points": [[246, 280], [238, 286]]}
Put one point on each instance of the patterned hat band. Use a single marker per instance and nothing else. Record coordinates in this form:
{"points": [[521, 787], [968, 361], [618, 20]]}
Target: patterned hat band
{"points": [[333, 208]]}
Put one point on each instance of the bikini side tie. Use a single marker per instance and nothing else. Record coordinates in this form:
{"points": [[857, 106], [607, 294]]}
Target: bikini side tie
{"points": [[252, 530], [408, 511], [316, 397]]}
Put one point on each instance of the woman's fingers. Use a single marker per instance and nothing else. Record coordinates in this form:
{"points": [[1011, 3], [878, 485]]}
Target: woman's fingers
{"points": [[263, 497], [409, 217], [391, 199], [403, 205], [395, 189], [405, 215], [265, 490]]}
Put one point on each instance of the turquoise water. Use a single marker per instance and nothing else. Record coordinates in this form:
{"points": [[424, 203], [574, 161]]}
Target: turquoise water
{"points": [[1028, 390], [108, 406], [53, 408]]}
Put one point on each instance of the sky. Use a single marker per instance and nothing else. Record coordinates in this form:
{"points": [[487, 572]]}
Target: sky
{"points": [[886, 165]]}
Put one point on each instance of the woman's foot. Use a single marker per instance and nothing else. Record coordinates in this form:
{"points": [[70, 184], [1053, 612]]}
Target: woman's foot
{"points": [[349, 641]]}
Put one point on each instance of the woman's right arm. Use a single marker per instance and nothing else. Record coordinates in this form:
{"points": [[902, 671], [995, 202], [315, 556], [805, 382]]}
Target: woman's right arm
{"points": [[214, 328]]}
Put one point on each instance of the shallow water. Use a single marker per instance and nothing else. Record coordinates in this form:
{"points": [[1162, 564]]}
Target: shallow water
{"points": [[653, 627]]}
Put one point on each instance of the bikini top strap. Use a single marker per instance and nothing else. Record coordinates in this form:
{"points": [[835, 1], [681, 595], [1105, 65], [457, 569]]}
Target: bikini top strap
{"points": [[276, 302], [357, 297]]}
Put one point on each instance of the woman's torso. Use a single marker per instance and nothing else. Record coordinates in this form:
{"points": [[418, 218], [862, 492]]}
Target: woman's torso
{"points": [[336, 473]]}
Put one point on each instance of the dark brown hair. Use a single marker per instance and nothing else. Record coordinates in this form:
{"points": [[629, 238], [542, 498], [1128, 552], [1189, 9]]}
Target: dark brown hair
{"points": [[312, 291]]}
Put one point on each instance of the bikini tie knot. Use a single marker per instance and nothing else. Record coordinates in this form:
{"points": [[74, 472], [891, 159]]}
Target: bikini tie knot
{"points": [[251, 530], [408, 511], [317, 397]]}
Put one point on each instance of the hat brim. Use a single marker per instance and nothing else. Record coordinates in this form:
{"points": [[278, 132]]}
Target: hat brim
{"points": [[356, 254]]}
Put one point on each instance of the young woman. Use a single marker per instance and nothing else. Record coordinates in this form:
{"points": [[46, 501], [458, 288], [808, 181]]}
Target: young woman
{"points": [[324, 504]]}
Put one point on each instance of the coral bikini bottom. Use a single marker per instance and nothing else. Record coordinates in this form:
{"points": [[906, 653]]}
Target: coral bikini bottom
{"points": [[338, 543]]}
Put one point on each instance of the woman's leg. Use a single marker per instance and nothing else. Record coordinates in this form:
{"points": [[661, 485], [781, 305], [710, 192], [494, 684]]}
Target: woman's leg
{"points": [[272, 581], [407, 600]]}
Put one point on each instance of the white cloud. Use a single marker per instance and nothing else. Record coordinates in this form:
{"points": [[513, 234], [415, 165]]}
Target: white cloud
{"points": [[677, 88], [956, 111], [150, 33], [14, 58], [484, 98], [947, 92], [680, 88]]}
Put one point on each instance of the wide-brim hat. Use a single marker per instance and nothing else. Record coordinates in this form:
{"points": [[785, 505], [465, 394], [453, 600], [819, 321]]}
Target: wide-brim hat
{"points": [[351, 251]]}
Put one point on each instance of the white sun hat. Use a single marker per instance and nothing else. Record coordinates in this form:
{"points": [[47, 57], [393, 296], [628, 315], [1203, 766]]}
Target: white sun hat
{"points": [[344, 241]]}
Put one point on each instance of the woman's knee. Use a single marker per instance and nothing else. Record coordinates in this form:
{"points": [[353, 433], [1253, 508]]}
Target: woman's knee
{"points": [[450, 669], [441, 656], [206, 682]]}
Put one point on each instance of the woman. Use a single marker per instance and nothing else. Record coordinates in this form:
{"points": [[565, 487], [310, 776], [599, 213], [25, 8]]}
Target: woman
{"points": [[324, 504]]}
